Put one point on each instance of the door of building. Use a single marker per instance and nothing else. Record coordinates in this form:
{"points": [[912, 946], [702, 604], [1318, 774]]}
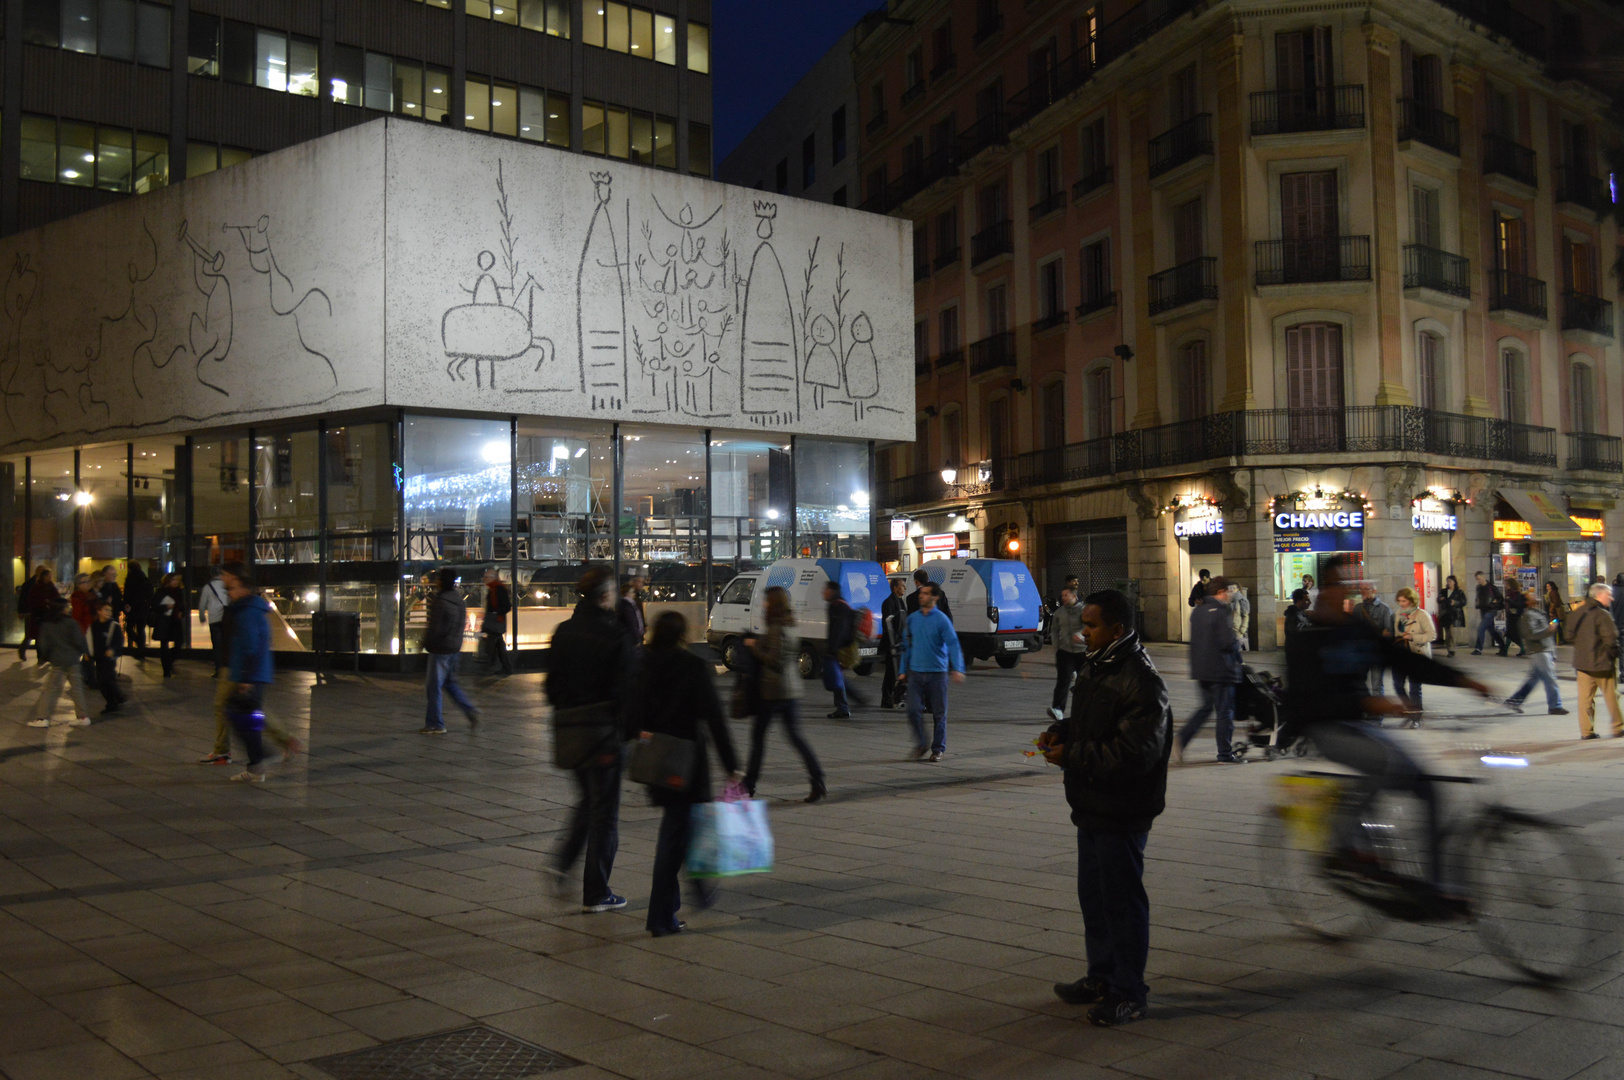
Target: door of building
{"points": [[1314, 387], [1096, 551]]}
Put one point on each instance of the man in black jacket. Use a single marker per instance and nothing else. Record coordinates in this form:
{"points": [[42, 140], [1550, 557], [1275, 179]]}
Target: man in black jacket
{"points": [[137, 607], [591, 663], [893, 613], [498, 605], [922, 578], [1489, 601], [1114, 749], [442, 640]]}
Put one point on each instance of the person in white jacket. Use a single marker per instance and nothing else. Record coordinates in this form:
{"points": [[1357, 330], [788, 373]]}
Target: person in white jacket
{"points": [[211, 608], [1414, 627]]}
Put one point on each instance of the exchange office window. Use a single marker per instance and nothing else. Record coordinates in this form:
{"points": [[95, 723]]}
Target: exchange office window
{"points": [[204, 158], [119, 29], [84, 155]]}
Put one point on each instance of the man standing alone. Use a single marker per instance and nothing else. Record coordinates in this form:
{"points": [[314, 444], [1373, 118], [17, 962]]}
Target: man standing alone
{"points": [[1067, 630], [892, 615], [1595, 659], [498, 604], [1215, 662], [211, 608], [930, 652], [1114, 749]]}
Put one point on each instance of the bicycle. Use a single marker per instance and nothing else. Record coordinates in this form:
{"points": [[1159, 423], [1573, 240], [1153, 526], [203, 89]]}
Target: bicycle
{"points": [[1336, 862]]}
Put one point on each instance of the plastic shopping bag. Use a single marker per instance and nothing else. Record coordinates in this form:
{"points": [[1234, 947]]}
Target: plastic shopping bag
{"points": [[730, 837]]}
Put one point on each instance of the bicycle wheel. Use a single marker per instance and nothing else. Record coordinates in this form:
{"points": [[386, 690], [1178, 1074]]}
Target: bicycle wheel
{"points": [[1294, 878], [1531, 882]]}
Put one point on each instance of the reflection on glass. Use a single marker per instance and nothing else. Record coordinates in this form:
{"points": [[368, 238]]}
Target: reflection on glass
{"points": [[103, 498], [663, 518], [438, 84], [160, 503], [642, 33], [477, 98], [12, 503], [76, 160], [665, 39], [113, 160], [50, 510], [566, 490], [219, 503], [380, 92], [271, 60], [750, 502], [832, 499], [287, 499], [504, 109]]}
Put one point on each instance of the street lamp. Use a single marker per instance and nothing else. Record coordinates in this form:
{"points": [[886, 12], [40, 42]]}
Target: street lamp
{"points": [[949, 474]]}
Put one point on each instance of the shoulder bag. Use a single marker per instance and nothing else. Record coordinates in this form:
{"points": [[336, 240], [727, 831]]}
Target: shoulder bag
{"points": [[583, 732], [663, 761]]}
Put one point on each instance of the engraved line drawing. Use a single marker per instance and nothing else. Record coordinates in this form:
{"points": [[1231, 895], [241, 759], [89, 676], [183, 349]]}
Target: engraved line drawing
{"points": [[256, 239], [769, 382]]}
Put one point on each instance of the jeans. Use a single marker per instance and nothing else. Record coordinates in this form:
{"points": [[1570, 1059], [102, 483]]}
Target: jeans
{"points": [[494, 628], [1485, 625], [927, 692], [670, 850], [1408, 688], [55, 676], [1385, 766], [1217, 698], [785, 711], [1116, 912], [835, 679], [1541, 669], [1067, 665], [442, 677], [595, 828]]}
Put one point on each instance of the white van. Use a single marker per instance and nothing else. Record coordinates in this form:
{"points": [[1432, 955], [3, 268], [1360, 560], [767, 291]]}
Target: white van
{"points": [[996, 607], [740, 611]]}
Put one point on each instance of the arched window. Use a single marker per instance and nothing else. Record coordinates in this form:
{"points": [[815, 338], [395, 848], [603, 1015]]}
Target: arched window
{"points": [[1582, 403], [1513, 385], [1429, 370], [1192, 387]]}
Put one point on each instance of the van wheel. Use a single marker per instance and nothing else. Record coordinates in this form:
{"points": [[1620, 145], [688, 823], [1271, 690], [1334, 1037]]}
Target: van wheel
{"points": [[1007, 662], [865, 669], [808, 664], [733, 653]]}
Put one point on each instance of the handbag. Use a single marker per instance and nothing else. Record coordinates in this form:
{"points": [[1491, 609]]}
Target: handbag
{"points": [[663, 761], [583, 732], [730, 837]]}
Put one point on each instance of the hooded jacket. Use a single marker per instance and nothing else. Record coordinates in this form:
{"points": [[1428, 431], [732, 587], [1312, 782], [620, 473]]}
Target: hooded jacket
{"points": [[250, 650], [1117, 741], [448, 618], [1215, 651]]}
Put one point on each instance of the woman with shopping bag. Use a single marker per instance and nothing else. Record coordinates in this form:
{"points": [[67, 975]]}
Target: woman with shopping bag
{"points": [[680, 718]]}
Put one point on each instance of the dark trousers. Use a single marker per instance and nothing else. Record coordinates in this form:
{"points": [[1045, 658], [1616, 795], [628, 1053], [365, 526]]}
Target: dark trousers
{"points": [[136, 630], [785, 711], [494, 628], [670, 851], [107, 681], [1067, 665], [1116, 912], [1217, 698], [217, 644], [1513, 632], [595, 829], [167, 651], [888, 683], [253, 738]]}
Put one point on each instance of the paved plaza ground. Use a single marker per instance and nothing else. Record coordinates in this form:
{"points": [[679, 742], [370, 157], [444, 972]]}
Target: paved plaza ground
{"points": [[158, 920]]}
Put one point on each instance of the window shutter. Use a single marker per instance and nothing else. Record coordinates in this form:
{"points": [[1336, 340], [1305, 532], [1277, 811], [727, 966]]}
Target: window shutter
{"points": [[1288, 61]]}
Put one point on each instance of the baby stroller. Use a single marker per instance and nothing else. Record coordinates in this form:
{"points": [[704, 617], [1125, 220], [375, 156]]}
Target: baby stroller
{"points": [[1258, 717]]}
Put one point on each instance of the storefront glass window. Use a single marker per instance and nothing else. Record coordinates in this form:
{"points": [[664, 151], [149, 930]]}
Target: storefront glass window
{"points": [[287, 500], [104, 517], [832, 499], [16, 559], [566, 492], [663, 517], [160, 503], [51, 510], [219, 504], [363, 575], [750, 502]]}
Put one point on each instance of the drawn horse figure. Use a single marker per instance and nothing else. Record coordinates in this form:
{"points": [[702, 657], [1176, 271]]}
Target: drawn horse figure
{"points": [[488, 330]]}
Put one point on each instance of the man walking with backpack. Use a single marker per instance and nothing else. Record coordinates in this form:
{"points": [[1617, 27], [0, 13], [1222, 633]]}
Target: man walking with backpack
{"points": [[1488, 602], [840, 640], [498, 605]]}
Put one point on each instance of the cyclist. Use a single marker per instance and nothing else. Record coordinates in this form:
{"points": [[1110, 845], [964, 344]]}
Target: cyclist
{"points": [[1328, 698]]}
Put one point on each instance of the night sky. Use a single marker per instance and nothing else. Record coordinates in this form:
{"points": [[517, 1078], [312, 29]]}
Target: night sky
{"points": [[762, 48]]}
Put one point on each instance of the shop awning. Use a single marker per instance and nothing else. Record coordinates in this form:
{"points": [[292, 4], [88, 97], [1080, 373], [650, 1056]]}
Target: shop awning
{"points": [[1545, 520]]}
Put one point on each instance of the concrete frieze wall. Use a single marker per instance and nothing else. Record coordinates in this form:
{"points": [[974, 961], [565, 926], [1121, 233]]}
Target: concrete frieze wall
{"points": [[402, 264]]}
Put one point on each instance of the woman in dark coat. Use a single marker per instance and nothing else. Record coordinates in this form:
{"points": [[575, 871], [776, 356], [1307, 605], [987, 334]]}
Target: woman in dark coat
{"points": [[676, 696], [1555, 609], [169, 615], [40, 595], [1451, 613]]}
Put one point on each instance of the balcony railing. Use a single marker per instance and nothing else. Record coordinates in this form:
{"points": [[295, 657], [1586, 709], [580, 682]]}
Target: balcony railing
{"points": [[992, 352], [912, 490], [1509, 158], [989, 130], [1499, 16], [1575, 185], [946, 258], [1428, 268], [914, 92], [1602, 453], [1047, 205], [1092, 182], [1330, 108], [1059, 317], [1181, 143], [1332, 258], [1097, 302], [1074, 461], [1184, 284], [1584, 312], [1511, 291], [1424, 124], [948, 357], [996, 239], [943, 68], [1459, 435], [877, 122], [988, 23]]}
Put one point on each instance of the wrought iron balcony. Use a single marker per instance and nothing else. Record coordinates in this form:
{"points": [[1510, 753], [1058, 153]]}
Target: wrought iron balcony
{"points": [[996, 239], [1096, 302], [1059, 317], [1047, 205], [1092, 182], [1511, 291], [1331, 108], [1575, 185], [1589, 313], [1507, 157], [1489, 438], [914, 490], [992, 352], [1425, 124], [1181, 143], [947, 258], [1074, 461], [989, 130], [1428, 268], [1587, 450], [949, 357], [1184, 284], [1332, 258]]}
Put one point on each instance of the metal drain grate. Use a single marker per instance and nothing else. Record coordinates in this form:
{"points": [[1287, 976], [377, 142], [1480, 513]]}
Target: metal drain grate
{"points": [[475, 1053]]}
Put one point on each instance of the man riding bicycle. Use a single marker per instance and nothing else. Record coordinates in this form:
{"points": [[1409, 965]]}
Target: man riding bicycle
{"points": [[1328, 699]]}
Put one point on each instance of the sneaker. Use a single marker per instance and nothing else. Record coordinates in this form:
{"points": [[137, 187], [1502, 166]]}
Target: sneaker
{"points": [[676, 928], [1558, 711], [1084, 991], [250, 777], [214, 759], [1477, 652], [474, 717], [431, 731], [44, 721], [608, 903], [1592, 735], [1514, 705], [838, 715], [80, 721], [1229, 759], [1056, 713], [935, 756], [1114, 1012]]}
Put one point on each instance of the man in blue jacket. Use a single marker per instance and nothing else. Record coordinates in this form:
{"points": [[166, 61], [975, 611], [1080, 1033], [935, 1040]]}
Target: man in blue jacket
{"points": [[930, 655], [248, 660]]}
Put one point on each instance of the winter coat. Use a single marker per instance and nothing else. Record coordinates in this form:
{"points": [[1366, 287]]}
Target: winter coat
{"points": [[1117, 741], [1296, 619], [249, 650], [1595, 639], [1064, 625], [893, 613], [778, 655], [105, 636], [169, 613], [1418, 624], [83, 606], [1198, 593], [1538, 632], [138, 594], [1240, 612], [1215, 651], [676, 695], [1489, 597], [631, 617], [61, 642], [498, 601], [448, 618], [1452, 608], [592, 659]]}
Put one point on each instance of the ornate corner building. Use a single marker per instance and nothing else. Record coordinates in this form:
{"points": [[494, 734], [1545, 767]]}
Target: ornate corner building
{"points": [[1238, 285]]}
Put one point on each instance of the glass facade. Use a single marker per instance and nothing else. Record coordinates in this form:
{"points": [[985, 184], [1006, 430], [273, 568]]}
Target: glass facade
{"points": [[361, 517]]}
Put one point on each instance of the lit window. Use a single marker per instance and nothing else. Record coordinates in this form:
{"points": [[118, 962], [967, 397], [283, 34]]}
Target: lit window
{"points": [[642, 138], [592, 128], [642, 36], [437, 82], [39, 149], [79, 25], [617, 27], [151, 162], [271, 60], [410, 80], [201, 159], [114, 159], [592, 16], [699, 48], [477, 100], [665, 142], [665, 39], [558, 120], [504, 109], [348, 77], [76, 154], [617, 132]]}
